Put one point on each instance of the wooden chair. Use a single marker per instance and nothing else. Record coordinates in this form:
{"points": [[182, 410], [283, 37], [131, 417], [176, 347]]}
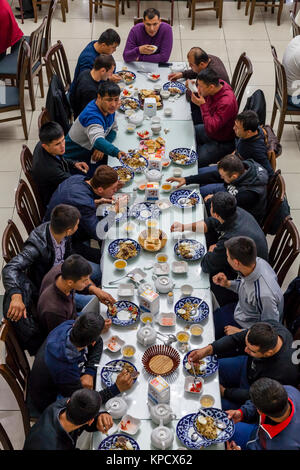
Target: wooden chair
{"points": [[44, 117], [281, 98], [295, 26], [275, 196], [284, 249], [137, 20], [27, 208], [217, 7], [63, 4], [47, 38], [241, 76], [99, 3], [14, 95], [4, 439], [12, 242], [265, 4], [35, 64], [172, 11], [26, 159], [57, 63]]}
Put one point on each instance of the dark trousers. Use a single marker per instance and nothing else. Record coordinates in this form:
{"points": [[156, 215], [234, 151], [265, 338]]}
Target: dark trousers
{"points": [[209, 150], [27, 6], [223, 316], [233, 374]]}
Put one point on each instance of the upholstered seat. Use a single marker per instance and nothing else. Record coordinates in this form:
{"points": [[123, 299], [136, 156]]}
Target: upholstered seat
{"points": [[11, 96]]}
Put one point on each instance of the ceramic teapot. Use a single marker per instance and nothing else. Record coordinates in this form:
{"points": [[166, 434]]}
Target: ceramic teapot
{"points": [[162, 437], [116, 407], [161, 413], [163, 284], [146, 335]]}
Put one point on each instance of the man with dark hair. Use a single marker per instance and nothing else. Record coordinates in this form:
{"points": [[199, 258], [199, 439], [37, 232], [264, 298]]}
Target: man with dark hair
{"points": [[62, 422], [218, 106], [107, 44], [93, 132], [277, 409], [67, 360], [88, 82], [149, 41], [259, 295], [265, 349], [57, 294], [49, 168]]}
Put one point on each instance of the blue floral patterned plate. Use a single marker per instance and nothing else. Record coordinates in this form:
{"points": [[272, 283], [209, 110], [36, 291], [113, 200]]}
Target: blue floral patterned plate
{"points": [[125, 104], [210, 364], [120, 216], [109, 443], [129, 161], [129, 79], [178, 85], [114, 247], [185, 430], [199, 315], [179, 198], [183, 156], [126, 314], [109, 375], [194, 249], [125, 174], [223, 434], [144, 211]]}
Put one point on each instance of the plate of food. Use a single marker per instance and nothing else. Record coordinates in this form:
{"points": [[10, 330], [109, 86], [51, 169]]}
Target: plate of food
{"points": [[118, 442], [125, 175], [189, 250], [120, 216], [144, 211], [152, 239], [154, 77], [185, 430], [127, 76], [183, 156], [129, 103], [112, 369], [160, 360], [191, 309], [213, 426], [123, 313], [129, 424], [134, 161], [143, 134], [183, 198], [175, 88], [126, 93], [124, 248], [145, 93], [204, 368]]}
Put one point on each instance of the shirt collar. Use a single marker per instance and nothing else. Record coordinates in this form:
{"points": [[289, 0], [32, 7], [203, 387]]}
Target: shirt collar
{"points": [[273, 430]]}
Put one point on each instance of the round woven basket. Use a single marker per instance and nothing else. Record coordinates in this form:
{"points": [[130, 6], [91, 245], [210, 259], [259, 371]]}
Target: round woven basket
{"points": [[143, 237], [160, 360]]}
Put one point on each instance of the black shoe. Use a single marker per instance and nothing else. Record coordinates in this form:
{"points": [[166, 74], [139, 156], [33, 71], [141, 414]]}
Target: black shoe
{"points": [[25, 16], [18, 8]]}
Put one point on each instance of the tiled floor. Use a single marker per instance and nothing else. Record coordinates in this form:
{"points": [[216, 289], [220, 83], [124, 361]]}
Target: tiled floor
{"points": [[235, 37]]}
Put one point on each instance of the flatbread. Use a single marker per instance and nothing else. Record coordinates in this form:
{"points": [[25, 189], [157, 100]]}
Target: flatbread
{"points": [[161, 364]]}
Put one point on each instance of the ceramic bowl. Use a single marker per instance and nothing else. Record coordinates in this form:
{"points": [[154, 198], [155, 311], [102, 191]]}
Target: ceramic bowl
{"points": [[168, 112], [196, 330], [146, 317], [167, 319], [156, 128], [136, 119], [182, 336], [154, 77], [114, 343], [166, 187], [186, 289], [190, 387], [129, 424], [120, 264], [157, 87], [165, 94], [130, 128], [128, 350], [161, 257], [177, 172], [155, 120], [207, 401]]}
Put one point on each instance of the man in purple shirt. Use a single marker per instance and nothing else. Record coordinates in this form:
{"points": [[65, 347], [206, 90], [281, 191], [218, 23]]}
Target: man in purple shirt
{"points": [[143, 36]]}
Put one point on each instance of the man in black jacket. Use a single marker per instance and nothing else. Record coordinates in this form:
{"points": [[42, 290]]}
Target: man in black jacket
{"points": [[49, 168], [265, 350], [62, 422]]}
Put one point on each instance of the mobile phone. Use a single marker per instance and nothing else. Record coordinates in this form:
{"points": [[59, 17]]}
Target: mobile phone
{"points": [[165, 64]]}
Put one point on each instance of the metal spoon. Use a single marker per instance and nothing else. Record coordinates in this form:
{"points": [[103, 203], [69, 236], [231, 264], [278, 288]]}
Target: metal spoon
{"points": [[194, 372], [184, 200], [219, 424]]}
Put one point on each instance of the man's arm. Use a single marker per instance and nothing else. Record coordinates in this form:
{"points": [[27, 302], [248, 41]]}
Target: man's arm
{"points": [[213, 123], [131, 51], [165, 47], [216, 260]]}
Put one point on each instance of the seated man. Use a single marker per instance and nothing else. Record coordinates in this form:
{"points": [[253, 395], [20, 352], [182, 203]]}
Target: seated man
{"points": [[276, 407], [91, 135], [67, 360], [87, 84], [218, 106], [107, 44], [291, 63], [143, 36], [49, 168], [56, 302], [260, 297], [265, 349], [62, 422]]}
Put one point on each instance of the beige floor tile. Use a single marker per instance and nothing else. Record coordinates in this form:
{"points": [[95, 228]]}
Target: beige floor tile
{"points": [[263, 73], [10, 156], [176, 54], [234, 30], [289, 161], [258, 51], [292, 189], [13, 425], [230, 12], [205, 28], [100, 25], [163, 7], [217, 48], [278, 33], [73, 47], [78, 9], [73, 28], [280, 47], [8, 185]]}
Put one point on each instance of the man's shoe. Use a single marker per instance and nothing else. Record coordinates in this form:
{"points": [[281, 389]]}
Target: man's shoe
{"points": [[18, 8], [25, 16]]}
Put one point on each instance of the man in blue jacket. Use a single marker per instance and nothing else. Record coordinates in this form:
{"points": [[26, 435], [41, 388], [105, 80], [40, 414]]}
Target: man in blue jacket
{"points": [[278, 409]]}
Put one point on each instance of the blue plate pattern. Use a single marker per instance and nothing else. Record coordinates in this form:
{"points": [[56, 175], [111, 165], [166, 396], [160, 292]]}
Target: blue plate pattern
{"points": [[129, 170], [184, 431], [176, 196], [113, 247], [128, 71], [109, 441], [121, 305], [224, 434], [212, 364], [135, 170], [120, 217], [193, 156], [136, 211], [124, 107], [179, 85], [202, 312], [108, 377], [197, 246]]}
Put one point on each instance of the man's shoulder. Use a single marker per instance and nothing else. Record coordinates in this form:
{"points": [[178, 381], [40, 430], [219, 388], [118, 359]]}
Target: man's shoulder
{"points": [[91, 115], [88, 49]]}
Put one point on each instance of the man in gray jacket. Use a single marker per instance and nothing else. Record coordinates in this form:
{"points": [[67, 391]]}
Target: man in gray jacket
{"points": [[259, 295]]}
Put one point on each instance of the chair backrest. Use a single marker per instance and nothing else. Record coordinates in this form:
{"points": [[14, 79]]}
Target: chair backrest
{"points": [[12, 242], [26, 158], [44, 117], [15, 370], [284, 249], [137, 20], [275, 197], [36, 45], [47, 42], [23, 64], [57, 63], [280, 79], [241, 76], [4, 439], [295, 26], [27, 208]]}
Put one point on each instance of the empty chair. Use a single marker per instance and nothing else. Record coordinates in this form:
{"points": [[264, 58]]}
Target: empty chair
{"points": [[172, 11], [26, 159], [241, 76], [12, 242], [275, 197], [4, 439], [63, 4], [295, 26], [281, 98], [35, 67], [265, 4], [57, 64], [217, 7], [44, 117], [99, 3], [27, 208]]}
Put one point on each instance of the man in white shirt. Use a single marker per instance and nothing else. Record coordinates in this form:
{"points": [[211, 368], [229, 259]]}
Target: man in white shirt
{"points": [[291, 63]]}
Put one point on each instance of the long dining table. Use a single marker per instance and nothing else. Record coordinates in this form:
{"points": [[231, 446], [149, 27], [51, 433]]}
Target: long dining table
{"points": [[179, 134]]}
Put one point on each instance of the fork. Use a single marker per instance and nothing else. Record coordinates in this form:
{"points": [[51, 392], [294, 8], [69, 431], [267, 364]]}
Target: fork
{"points": [[194, 372]]}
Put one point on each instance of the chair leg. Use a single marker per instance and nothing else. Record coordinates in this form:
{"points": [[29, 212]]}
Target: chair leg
{"points": [[91, 10], [193, 7], [63, 11], [128, 3], [273, 117], [66, 6], [31, 92], [34, 10], [220, 12], [123, 7], [272, 9], [247, 7], [41, 83], [24, 122], [96, 6], [190, 8], [239, 4], [117, 13], [253, 2], [280, 126], [279, 12], [138, 8], [172, 12]]}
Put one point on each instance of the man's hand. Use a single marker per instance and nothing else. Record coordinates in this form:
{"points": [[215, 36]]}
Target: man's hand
{"points": [[97, 155], [222, 390], [17, 309], [231, 330], [221, 280], [82, 166], [107, 325], [177, 227], [198, 354], [198, 100], [212, 247], [232, 446], [103, 200], [146, 49], [105, 297], [209, 196], [175, 76], [122, 154], [87, 381], [236, 415], [121, 202], [115, 77], [104, 422], [181, 181], [124, 381]]}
